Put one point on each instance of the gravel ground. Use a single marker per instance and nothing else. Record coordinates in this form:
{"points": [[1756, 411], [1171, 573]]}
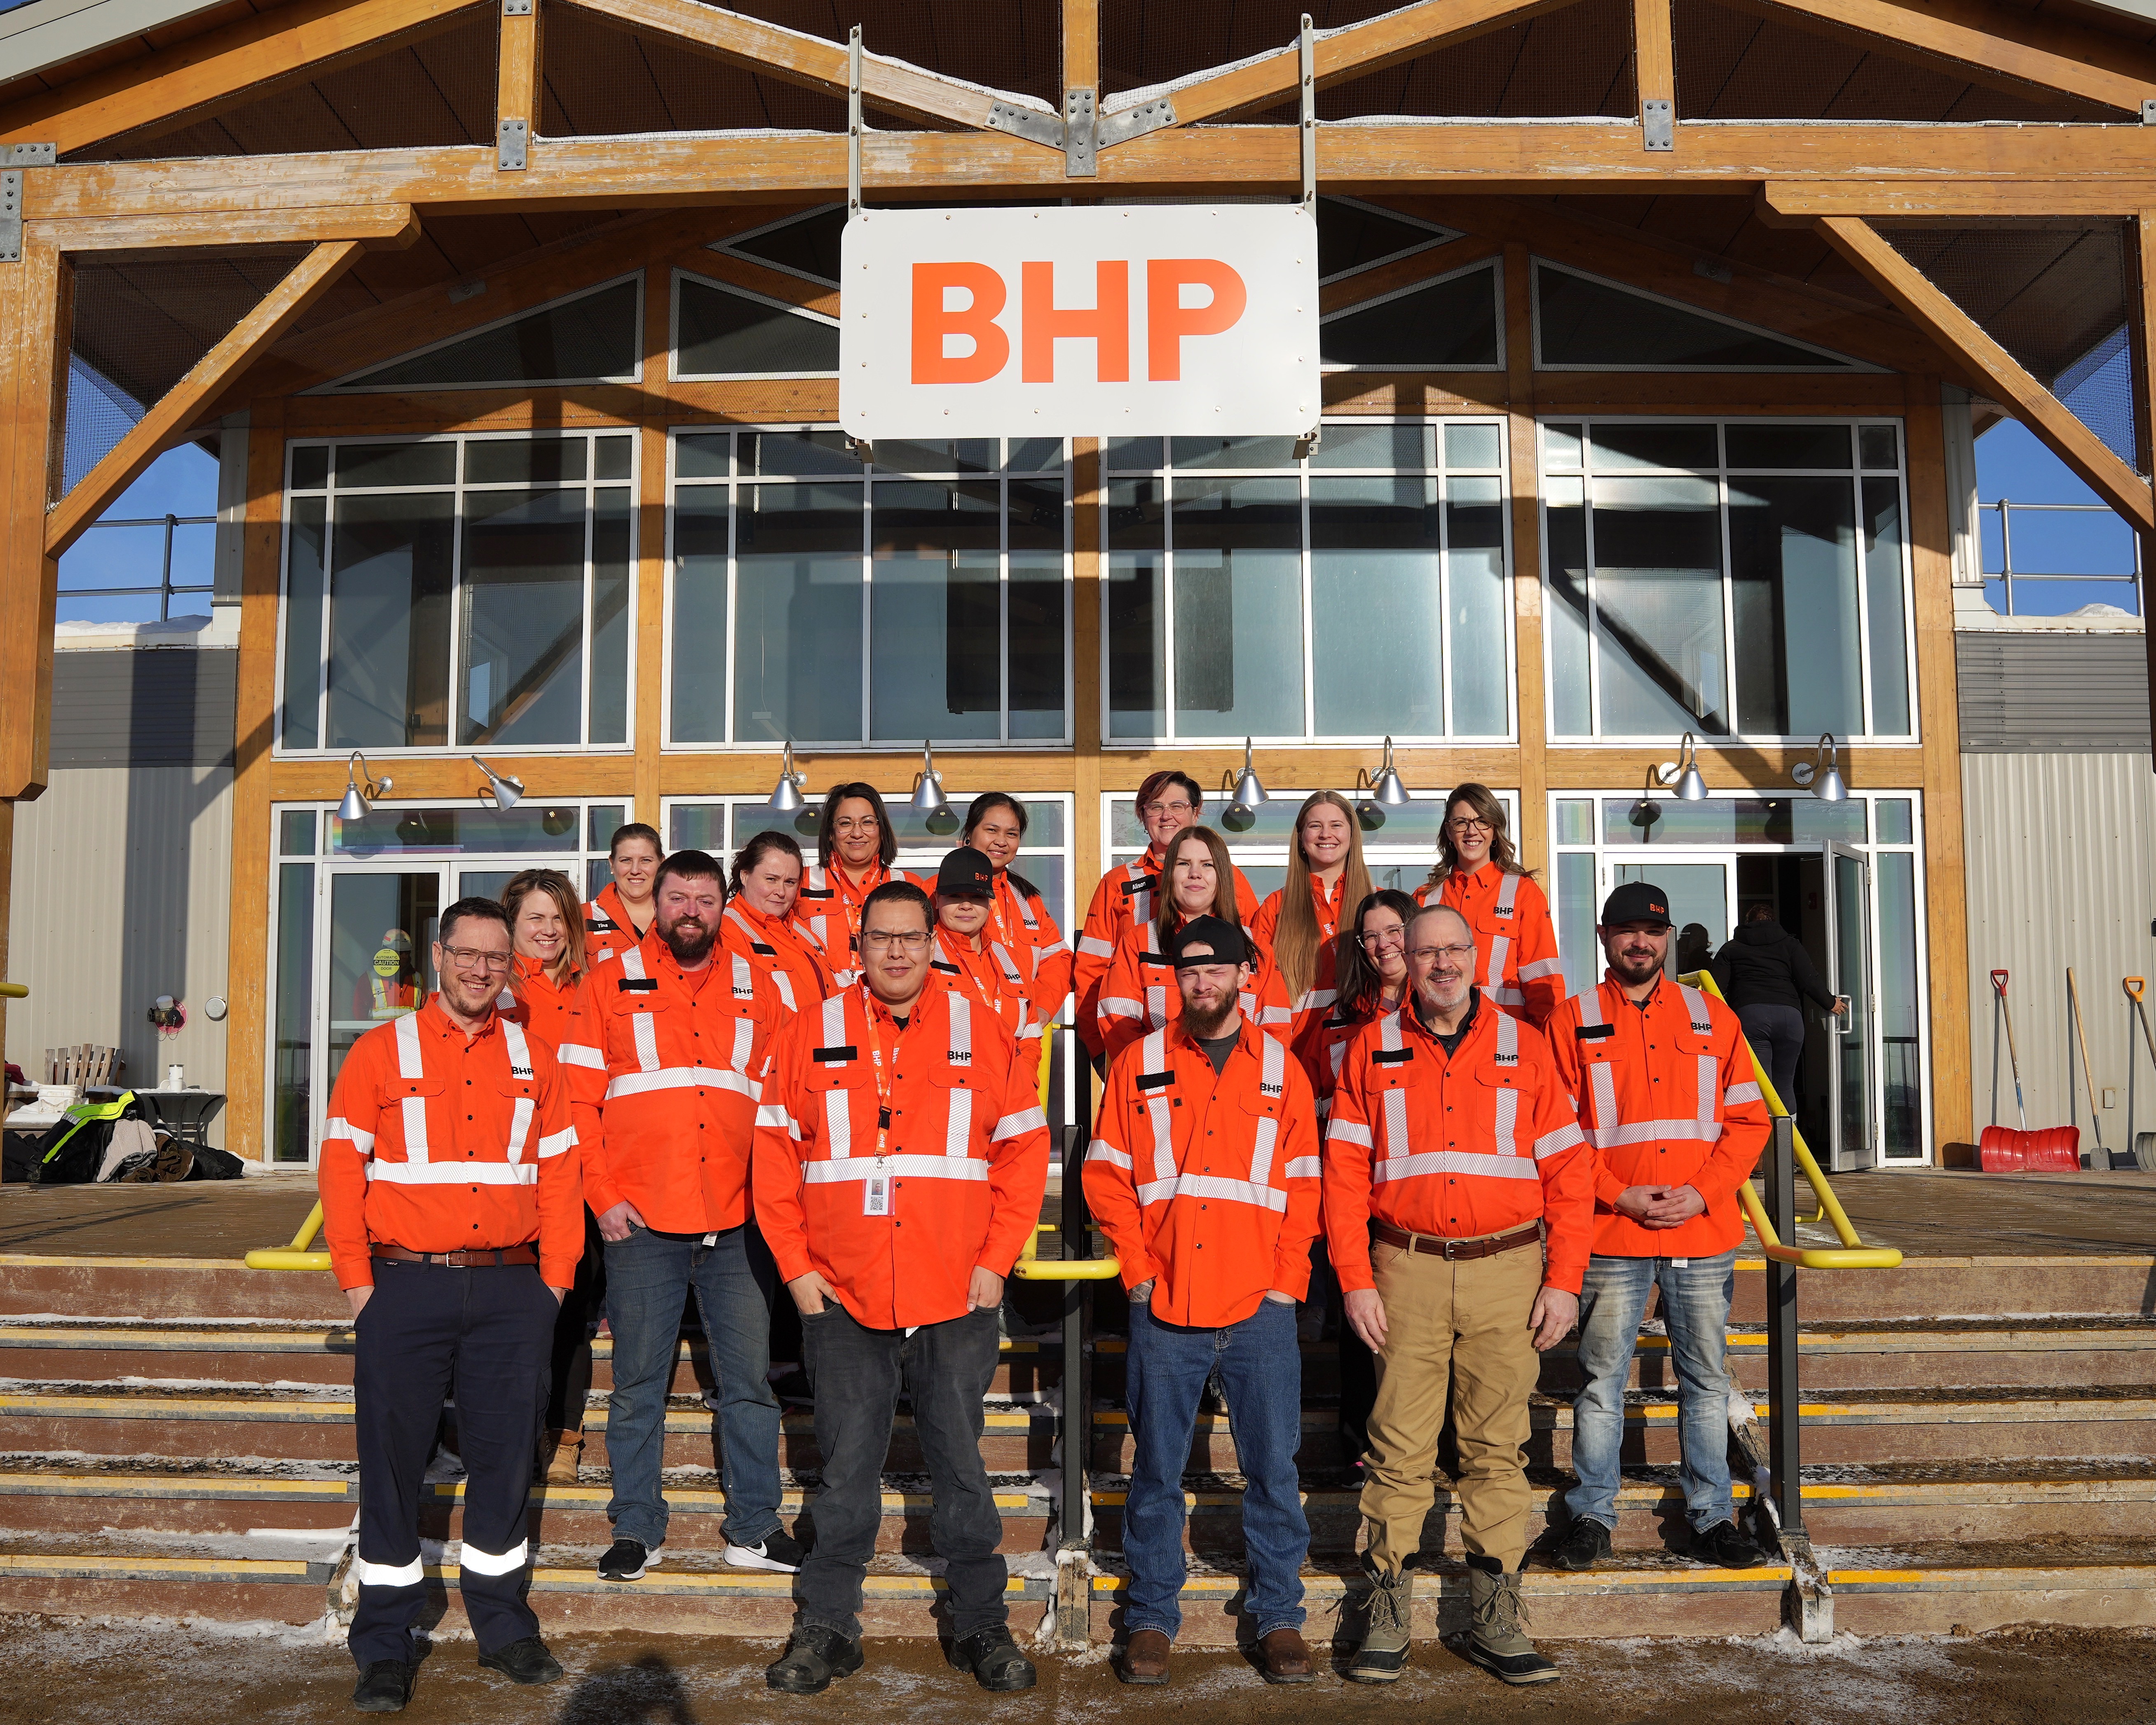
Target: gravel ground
{"points": [[57, 1671]]}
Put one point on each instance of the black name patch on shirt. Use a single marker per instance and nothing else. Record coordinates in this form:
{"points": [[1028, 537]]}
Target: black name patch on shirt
{"points": [[819, 892], [761, 951], [1131, 889], [599, 925], [1155, 958], [1391, 1057], [948, 969], [841, 1051], [1155, 1081], [637, 984], [1594, 1033]]}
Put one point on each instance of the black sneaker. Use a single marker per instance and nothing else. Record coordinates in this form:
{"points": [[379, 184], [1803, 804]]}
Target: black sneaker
{"points": [[1725, 1548], [384, 1686], [813, 1657], [626, 1560], [780, 1550], [994, 1660], [525, 1662], [1586, 1543]]}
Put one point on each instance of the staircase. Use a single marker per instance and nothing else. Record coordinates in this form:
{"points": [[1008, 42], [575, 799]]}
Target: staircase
{"points": [[1977, 1435]]}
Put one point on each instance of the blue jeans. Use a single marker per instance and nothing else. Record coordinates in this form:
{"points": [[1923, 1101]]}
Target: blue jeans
{"points": [[1261, 1370], [1696, 1312], [648, 1277]]}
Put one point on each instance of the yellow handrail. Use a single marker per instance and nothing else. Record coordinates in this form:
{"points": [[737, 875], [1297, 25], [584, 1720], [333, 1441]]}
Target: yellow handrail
{"points": [[295, 1256], [1028, 1268], [15, 991], [1852, 1253]]}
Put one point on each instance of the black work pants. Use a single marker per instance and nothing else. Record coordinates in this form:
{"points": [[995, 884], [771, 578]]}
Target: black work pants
{"points": [[856, 1373], [487, 1331]]}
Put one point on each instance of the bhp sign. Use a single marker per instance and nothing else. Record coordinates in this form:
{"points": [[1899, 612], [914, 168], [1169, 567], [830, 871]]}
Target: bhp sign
{"points": [[1061, 322]]}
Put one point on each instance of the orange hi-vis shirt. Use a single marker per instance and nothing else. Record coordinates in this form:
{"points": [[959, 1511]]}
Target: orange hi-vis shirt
{"points": [[1124, 899], [1139, 994], [1022, 922], [1667, 1096], [1315, 1004], [991, 978], [561, 1018], [1516, 960], [674, 1131], [897, 1217], [607, 927], [1186, 1162], [784, 951], [829, 907], [441, 1141], [1324, 1052], [1478, 1142]]}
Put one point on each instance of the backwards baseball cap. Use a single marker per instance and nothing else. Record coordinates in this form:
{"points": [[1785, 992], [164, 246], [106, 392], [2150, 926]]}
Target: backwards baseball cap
{"points": [[1230, 944], [1636, 901], [965, 870]]}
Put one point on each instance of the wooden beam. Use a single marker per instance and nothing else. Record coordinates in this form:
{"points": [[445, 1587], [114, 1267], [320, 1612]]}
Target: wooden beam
{"points": [[2145, 412], [2072, 442], [380, 227], [1531, 722], [1081, 44], [310, 278], [1653, 62], [34, 349], [516, 74], [256, 55], [1794, 203]]}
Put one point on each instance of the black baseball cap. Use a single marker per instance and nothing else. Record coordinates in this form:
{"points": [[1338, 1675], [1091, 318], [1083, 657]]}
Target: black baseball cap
{"points": [[1230, 944], [1636, 901], [965, 870]]}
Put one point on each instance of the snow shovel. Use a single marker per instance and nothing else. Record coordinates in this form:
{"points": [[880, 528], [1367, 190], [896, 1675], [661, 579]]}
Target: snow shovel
{"points": [[2144, 1153], [2003, 1150]]}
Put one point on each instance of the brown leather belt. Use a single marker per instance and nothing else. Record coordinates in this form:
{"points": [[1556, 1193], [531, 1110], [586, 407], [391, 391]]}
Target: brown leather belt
{"points": [[484, 1258], [1453, 1250]]}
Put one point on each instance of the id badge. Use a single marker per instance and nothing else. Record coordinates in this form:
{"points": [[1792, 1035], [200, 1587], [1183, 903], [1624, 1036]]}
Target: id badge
{"points": [[876, 1196]]}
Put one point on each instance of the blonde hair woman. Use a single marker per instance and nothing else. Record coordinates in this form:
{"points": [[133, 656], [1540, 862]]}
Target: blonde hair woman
{"points": [[1479, 874], [1301, 923]]}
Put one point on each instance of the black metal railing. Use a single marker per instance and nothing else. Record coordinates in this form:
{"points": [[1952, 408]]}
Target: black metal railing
{"points": [[165, 588]]}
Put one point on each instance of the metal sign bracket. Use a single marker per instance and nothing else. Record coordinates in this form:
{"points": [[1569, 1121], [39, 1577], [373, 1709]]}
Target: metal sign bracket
{"points": [[854, 122], [1307, 53]]}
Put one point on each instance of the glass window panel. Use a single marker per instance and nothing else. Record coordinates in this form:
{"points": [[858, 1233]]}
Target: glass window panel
{"points": [[1901, 1128], [1136, 607], [1472, 446], [524, 461], [1376, 595], [600, 821], [293, 1061], [1658, 607], [973, 454], [447, 832], [1792, 564], [1126, 832], [1781, 445], [1415, 824], [1476, 597], [1621, 447], [611, 575], [698, 626], [935, 646], [1236, 452], [1576, 912], [597, 875], [1387, 446], [1036, 454], [719, 334], [1800, 819], [1035, 597], [1354, 236], [1575, 821], [1896, 820], [610, 459], [810, 245], [775, 454], [1561, 445], [701, 457], [1589, 323], [382, 464], [1444, 326], [1883, 603], [1238, 601], [304, 598], [295, 832], [1813, 821], [1876, 446], [1125, 454], [311, 466], [1266, 879], [1044, 825], [390, 577], [702, 826], [797, 652], [1564, 534], [594, 335], [522, 654]]}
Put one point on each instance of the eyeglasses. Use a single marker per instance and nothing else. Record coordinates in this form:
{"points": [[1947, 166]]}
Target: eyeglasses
{"points": [[857, 824], [1169, 808], [1430, 955], [1469, 824], [1381, 938], [472, 958], [882, 940]]}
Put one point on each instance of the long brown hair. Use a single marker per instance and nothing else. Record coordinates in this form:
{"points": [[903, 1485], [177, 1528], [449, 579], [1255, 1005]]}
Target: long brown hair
{"points": [[1358, 980], [1485, 806], [556, 886], [1296, 938], [1224, 883]]}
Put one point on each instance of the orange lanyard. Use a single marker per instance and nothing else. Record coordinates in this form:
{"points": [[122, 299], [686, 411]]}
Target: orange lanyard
{"points": [[884, 1081]]}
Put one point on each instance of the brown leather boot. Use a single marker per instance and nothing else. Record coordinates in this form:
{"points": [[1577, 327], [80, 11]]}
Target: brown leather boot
{"points": [[560, 1452], [1145, 1658], [1284, 1657]]}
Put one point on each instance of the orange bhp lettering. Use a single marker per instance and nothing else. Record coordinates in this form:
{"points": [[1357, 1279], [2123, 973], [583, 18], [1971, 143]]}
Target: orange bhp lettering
{"points": [[1106, 322], [933, 321], [1168, 321]]}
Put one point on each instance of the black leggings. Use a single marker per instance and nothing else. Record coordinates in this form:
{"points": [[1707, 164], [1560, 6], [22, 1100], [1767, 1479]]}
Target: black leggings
{"points": [[569, 1381]]}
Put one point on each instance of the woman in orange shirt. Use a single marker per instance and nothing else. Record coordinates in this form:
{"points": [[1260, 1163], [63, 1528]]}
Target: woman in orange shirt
{"points": [[759, 923], [1301, 923], [1479, 874], [621, 915], [855, 848], [546, 994], [1018, 915]]}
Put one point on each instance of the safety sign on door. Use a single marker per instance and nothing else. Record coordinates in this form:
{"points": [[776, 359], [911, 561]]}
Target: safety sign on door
{"points": [[1175, 319]]}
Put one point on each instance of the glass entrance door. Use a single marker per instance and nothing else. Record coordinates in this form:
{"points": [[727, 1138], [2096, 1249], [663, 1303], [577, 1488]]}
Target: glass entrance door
{"points": [[375, 959], [1855, 1138], [1700, 894]]}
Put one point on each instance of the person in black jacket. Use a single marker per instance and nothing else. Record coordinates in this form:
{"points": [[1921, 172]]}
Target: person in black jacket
{"points": [[1765, 973]]}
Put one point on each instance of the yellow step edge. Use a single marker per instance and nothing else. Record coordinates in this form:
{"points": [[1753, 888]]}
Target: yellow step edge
{"points": [[168, 1486], [1958, 1412], [1950, 1580], [263, 1569], [1767, 1576], [780, 1587], [329, 1410], [598, 1496], [27, 1260]]}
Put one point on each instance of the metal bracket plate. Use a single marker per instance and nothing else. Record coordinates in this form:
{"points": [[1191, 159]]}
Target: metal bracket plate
{"points": [[1028, 123], [1658, 122], [516, 9], [1306, 47], [1124, 124], [1081, 113], [10, 216], [29, 155], [510, 147], [2148, 110]]}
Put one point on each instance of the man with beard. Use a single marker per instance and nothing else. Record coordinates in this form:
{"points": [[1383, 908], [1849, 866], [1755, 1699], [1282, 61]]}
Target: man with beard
{"points": [[1458, 1201], [666, 1173], [1203, 1175], [1669, 1098]]}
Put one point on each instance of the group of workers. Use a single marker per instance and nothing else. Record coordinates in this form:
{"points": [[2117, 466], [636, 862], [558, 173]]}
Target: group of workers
{"points": [[822, 1079]]}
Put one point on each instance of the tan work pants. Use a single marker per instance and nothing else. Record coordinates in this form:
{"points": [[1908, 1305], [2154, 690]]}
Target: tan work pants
{"points": [[1461, 1326]]}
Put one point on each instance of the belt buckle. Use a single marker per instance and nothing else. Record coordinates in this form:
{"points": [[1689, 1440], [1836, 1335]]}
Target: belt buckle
{"points": [[455, 1261], [1451, 1251]]}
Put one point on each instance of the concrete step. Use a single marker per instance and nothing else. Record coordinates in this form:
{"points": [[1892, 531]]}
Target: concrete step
{"points": [[87, 1287], [2109, 1283]]}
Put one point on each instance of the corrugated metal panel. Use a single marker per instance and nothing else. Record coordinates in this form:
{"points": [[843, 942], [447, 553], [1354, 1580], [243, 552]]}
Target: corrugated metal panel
{"points": [[2058, 857], [2034, 694], [122, 892], [170, 707]]}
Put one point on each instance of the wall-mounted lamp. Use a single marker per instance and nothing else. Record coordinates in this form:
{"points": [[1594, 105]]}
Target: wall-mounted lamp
{"points": [[928, 798], [1821, 773], [1246, 792], [1683, 772], [1386, 792], [358, 802], [786, 795], [508, 793]]}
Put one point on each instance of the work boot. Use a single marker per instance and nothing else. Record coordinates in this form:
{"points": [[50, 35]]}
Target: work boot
{"points": [[559, 1454], [384, 1686], [1498, 1641], [1145, 1658], [1724, 1546], [1284, 1657], [1586, 1543], [994, 1658], [813, 1657], [525, 1662], [1387, 1614]]}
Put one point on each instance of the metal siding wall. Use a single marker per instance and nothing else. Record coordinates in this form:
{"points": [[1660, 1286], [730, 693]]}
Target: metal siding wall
{"points": [[122, 892], [2033, 692], [159, 707], [2058, 850]]}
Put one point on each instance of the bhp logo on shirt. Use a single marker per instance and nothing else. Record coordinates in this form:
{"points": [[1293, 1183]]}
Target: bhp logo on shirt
{"points": [[516, 1072], [959, 1056]]}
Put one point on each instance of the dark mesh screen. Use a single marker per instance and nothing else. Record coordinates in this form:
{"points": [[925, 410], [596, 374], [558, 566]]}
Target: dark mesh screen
{"points": [[593, 335], [1446, 325], [1576, 60], [810, 245], [1145, 41], [728, 334], [1353, 236], [2053, 294], [1588, 323], [140, 326], [601, 79], [1009, 44]]}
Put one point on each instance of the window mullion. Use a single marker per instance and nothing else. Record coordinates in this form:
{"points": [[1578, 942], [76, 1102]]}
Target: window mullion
{"points": [[590, 511]]}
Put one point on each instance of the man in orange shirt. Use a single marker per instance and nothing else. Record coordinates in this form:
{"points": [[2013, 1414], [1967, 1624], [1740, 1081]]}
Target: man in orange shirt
{"points": [[900, 1158], [455, 1220], [1459, 1204], [1670, 1101], [1203, 1175]]}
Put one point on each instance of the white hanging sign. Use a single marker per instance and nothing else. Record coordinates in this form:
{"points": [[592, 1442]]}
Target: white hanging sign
{"points": [[1156, 320]]}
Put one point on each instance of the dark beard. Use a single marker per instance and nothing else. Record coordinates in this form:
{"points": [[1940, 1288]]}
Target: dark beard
{"points": [[689, 949], [1205, 1030]]}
